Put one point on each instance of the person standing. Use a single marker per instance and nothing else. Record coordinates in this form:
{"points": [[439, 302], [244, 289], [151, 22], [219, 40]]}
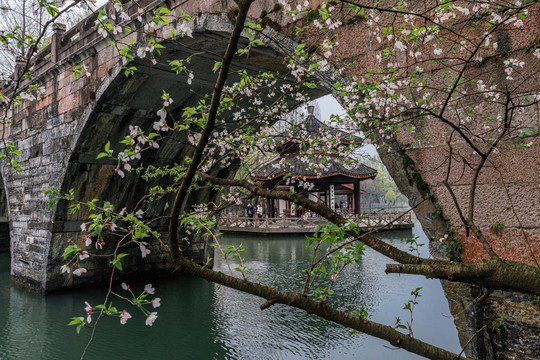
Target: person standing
{"points": [[250, 211]]}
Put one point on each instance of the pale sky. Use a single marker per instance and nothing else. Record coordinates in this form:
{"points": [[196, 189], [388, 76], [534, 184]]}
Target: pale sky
{"points": [[328, 105]]}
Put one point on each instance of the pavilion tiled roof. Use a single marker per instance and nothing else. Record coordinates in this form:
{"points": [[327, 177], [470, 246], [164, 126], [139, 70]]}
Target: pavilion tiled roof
{"points": [[312, 127], [320, 166], [295, 166]]}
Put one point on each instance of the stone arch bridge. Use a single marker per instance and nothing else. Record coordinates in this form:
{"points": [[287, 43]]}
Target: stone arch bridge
{"points": [[61, 133]]}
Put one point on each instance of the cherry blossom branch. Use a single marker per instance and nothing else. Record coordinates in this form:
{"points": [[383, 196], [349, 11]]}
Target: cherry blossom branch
{"points": [[243, 6], [492, 274]]}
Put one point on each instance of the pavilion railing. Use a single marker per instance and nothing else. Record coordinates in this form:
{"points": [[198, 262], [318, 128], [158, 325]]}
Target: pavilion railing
{"points": [[369, 221]]}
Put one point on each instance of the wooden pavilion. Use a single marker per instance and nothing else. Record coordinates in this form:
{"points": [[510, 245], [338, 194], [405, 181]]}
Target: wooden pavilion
{"points": [[335, 183]]}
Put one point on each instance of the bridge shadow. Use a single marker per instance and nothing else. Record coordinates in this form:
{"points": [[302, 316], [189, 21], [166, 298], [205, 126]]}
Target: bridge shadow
{"points": [[4, 219]]}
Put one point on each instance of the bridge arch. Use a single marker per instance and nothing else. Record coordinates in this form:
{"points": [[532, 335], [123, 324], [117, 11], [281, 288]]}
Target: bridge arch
{"points": [[123, 101]]}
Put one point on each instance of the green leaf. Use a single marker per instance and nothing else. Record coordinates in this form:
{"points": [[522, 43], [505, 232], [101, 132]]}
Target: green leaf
{"points": [[117, 264], [76, 320], [98, 230], [162, 10], [52, 10], [256, 43]]}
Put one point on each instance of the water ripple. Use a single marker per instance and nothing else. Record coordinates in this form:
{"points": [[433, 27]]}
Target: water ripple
{"points": [[198, 320]]}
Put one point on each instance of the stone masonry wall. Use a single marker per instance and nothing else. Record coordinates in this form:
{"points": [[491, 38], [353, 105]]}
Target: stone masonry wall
{"points": [[44, 131], [49, 130], [508, 188]]}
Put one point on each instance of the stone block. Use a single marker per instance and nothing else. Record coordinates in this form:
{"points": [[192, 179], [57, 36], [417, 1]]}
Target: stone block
{"points": [[68, 103]]}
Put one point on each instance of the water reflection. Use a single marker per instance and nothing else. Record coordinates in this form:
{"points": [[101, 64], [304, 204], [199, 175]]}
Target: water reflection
{"points": [[281, 332], [199, 321]]}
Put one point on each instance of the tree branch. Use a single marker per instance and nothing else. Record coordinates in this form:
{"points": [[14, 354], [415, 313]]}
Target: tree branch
{"points": [[243, 6], [298, 301], [492, 274]]}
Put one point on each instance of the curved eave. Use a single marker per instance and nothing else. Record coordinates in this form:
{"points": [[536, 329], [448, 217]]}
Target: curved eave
{"points": [[364, 177], [297, 142]]}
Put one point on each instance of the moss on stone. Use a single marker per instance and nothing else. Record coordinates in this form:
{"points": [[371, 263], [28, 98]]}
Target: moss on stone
{"points": [[267, 22], [420, 183], [407, 161]]}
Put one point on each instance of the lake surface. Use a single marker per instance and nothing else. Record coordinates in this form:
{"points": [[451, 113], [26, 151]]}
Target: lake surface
{"points": [[198, 320]]}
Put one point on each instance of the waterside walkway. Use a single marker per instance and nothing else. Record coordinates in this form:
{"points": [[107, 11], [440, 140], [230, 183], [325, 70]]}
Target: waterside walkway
{"points": [[308, 225]]}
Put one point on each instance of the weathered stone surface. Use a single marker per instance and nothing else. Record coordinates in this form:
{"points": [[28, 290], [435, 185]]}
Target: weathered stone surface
{"points": [[61, 133], [514, 326], [508, 186]]}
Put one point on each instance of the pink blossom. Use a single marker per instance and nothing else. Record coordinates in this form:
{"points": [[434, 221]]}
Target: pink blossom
{"points": [[400, 46], [102, 31], [88, 307], [119, 172], [84, 255], [161, 125], [149, 289], [125, 316], [65, 268], [162, 113], [155, 303], [113, 227], [133, 130], [141, 52], [83, 227], [79, 271], [151, 318], [144, 250], [125, 286], [124, 16], [87, 241], [185, 30], [88, 310]]}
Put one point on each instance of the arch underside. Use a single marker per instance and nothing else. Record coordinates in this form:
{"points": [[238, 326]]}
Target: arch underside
{"points": [[135, 100]]}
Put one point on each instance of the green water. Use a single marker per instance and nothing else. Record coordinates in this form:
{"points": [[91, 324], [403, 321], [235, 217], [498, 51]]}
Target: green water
{"points": [[197, 320]]}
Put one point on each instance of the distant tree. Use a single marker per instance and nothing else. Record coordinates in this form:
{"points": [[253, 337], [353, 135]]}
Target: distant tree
{"points": [[390, 196], [21, 24]]}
